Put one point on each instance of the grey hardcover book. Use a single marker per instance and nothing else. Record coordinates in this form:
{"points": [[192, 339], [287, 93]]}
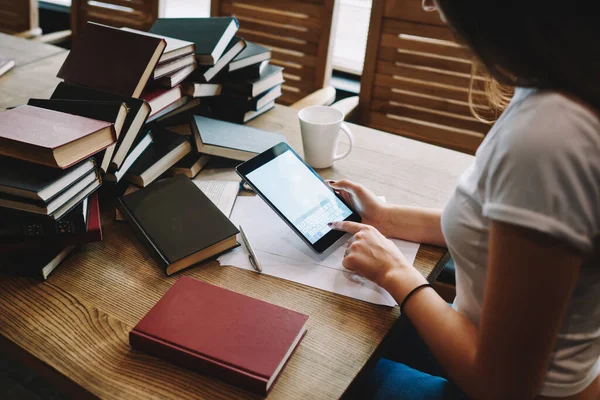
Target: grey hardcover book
{"points": [[225, 139]]}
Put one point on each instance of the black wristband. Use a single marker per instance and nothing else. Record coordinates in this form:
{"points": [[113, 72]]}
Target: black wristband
{"points": [[412, 292]]}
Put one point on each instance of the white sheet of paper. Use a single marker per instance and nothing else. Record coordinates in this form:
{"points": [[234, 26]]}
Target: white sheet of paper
{"points": [[283, 254], [222, 193]]}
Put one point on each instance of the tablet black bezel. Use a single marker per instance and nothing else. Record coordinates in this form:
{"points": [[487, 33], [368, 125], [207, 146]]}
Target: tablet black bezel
{"points": [[256, 162]]}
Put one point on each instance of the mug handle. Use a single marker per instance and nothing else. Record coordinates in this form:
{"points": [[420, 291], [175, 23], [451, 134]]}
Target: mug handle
{"points": [[348, 133]]}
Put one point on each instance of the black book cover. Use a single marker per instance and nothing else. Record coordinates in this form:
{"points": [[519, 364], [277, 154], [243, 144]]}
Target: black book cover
{"points": [[218, 72], [241, 104], [250, 72], [34, 265], [239, 116], [138, 108], [206, 33], [35, 181], [253, 54], [16, 224], [164, 142], [272, 74], [175, 219]]}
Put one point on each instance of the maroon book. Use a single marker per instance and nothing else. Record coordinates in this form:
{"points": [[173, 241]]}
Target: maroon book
{"points": [[159, 97], [241, 340], [112, 60]]}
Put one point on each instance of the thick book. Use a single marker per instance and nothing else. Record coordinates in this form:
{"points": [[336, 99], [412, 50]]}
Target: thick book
{"points": [[36, 182], [92, 232], [112, 60], [178, 223], [186, 108], [207, 73], [165, 151], [136, 117], [50, 137], [114, 112], [173, 65], [170, 109], [190, 165], [175, 48], [229, 140], [140, 145], [253, 54], [236, 338], [34, 265], [241, 116], [175, 78], [247, 103], [250, 72], [270, 77], [210, 35], [201, 89], [60, 204], [6, 64], [16, 226], [159, 98]]}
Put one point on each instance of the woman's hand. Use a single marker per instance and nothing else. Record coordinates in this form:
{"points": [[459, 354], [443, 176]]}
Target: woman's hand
{"points": [[377, 258], [371, 209]]}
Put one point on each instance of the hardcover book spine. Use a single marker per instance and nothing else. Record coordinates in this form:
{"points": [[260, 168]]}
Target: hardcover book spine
{"points": [[143, 238], [43, 228], [197, 362]]}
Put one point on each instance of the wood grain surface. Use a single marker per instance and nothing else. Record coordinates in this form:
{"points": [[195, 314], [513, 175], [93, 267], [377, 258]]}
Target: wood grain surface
{"points": [[75, 325]]}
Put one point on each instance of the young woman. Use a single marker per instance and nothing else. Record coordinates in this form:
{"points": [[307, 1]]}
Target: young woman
{"points": [[522, 226]]}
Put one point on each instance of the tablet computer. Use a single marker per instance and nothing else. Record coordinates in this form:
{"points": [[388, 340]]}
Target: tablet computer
{"points": [[297, 194]]}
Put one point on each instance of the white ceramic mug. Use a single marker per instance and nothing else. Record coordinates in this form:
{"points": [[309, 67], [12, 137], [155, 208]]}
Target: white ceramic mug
{"points": [[320, 127]]}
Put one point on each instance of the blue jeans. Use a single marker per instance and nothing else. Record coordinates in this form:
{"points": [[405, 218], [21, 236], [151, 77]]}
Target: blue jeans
{"points": [[408, 371]]}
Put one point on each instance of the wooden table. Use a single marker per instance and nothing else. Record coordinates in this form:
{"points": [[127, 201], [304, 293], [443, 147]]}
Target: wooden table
{"points": [[74, 327]]}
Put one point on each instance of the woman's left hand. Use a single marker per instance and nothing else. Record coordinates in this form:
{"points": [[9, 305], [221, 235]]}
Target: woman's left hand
{"points": [[375, 257]]}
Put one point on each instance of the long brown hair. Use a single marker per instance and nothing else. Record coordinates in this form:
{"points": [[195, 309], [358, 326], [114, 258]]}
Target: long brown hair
{"points": [[546, 44]]}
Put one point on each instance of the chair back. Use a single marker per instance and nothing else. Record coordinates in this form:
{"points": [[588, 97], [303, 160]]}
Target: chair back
{"points": [[18, 16], [299, 33], [416, 78], [135, 14]]}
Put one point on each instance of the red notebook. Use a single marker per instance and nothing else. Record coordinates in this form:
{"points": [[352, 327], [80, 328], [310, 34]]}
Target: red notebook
{"points": [[241, 340]]}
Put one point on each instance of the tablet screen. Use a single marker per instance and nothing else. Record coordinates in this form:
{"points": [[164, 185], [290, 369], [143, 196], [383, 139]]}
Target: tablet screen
{"points": [[299, 195]]}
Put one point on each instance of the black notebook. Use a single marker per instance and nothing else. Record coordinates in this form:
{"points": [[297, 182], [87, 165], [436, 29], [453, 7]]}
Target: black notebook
{"points": [[37, 182], [109, 111], [34, 265], [269, 78], [207, 73], [135, 119], [210, 35], [177, 223], [165, 151], [253, 54], [225, 139]]}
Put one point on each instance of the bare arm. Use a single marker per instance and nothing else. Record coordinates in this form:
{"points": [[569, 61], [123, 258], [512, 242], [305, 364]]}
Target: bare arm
{"points": [[530, 280], [416, 224]]}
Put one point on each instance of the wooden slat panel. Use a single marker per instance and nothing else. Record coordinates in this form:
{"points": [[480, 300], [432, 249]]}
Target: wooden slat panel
{"points": [[280, 7], [307, 74], [133, 4], [424, 73], [282, 30], [18, 16], [236, 10], [410, 10], [443, 136], [466, 122], [450, 92], [281, 57], [422, 30], [289, 97], [274, 41], [427, 101], [425, 59]]}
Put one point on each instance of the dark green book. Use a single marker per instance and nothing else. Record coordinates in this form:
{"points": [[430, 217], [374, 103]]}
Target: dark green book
{"points": [[34, 265], [139, 110], [210, 35], [177, 223], [165, 151]]}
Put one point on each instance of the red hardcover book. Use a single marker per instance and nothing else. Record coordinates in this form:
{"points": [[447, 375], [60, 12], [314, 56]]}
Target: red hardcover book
{"points": [[93, 234], [159, 97], [238, 339]]}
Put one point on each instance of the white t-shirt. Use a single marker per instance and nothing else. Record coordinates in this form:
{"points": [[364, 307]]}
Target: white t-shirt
{"points": [[539, 168]]}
